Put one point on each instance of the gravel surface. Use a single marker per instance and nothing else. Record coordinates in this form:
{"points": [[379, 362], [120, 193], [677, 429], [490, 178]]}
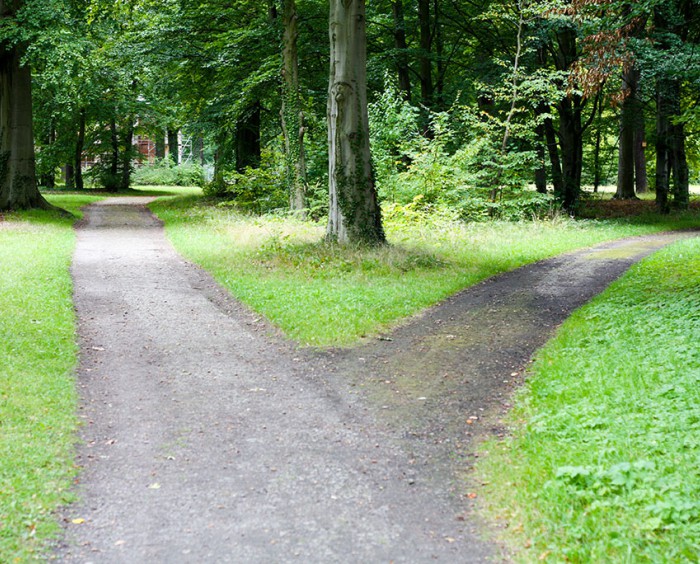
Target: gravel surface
{"points": [[208, 437]]}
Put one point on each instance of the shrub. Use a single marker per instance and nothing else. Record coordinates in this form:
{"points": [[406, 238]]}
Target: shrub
{"points": [[164, 173], [256, 190]]}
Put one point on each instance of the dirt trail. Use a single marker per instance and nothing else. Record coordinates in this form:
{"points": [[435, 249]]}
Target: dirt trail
{"points": [[207, 438]]}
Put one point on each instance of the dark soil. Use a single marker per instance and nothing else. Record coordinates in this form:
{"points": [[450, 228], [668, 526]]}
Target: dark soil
{"points": [[607, 208], [207, 437]]}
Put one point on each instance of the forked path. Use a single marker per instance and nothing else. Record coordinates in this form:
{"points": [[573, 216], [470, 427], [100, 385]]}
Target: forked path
{"points": [[209, 438]]}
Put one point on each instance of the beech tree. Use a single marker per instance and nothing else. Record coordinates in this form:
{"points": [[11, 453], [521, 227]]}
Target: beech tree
{"points": [[292, 113], [18, 185], [354, 214]]}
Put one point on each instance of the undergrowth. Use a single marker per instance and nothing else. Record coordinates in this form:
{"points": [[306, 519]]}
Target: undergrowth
{"points": [[603, 461]]}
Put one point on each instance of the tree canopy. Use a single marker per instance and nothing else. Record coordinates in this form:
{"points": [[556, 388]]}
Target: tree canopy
{"points": [[469, 105]]}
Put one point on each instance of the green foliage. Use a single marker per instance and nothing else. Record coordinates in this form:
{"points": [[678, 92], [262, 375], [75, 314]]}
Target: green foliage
{"points": [[37, 390], [164, 173], [257, 190], [605, 464], [460, 165]]}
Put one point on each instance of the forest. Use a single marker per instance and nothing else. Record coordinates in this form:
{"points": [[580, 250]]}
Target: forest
{"points": [[498, 109]]}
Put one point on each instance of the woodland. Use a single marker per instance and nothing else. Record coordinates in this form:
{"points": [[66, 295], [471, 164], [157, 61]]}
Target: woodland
{"points": [[486, 109]]}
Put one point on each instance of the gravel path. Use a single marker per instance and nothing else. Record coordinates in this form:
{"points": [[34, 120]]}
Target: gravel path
{"points": [[209, 438]]}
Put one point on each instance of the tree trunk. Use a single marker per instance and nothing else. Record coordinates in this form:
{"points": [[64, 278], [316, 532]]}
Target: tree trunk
{"points": [[173, 146], [570, 126], [571, 143], [248, 139], [670, 133], [18, 185], [641, 180], [401, 49], [544, 109], [354, 214], [596, 150], [663, 145], [69, 176], [160, 146], [553, 152], [541, 170], [127, 155], [199, 150], [293, 119], [425, 63], [679, 163], [439, 101], [628, 118], [79, 146], [47, 177], [111, 179]]}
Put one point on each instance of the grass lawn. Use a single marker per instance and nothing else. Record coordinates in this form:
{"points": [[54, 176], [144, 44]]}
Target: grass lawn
{"points": [[604, 460], [328, 295], [37, 388]]}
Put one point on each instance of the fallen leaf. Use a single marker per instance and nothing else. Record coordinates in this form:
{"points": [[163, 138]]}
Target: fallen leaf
{"points": [[471, 495], [78, 521]]}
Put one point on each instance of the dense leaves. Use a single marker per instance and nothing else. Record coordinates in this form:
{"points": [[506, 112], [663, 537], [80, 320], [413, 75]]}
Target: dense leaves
{"points": [[472, 102]]}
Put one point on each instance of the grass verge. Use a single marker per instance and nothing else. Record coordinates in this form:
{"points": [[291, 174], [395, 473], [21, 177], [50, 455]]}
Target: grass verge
{"points": [[323, 294], [603, 460], [37, 389]]}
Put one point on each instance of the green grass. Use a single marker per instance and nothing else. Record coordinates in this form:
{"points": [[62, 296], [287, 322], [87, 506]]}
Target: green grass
{"points": [[322, 294], [37, 388], [135, 191], [604, 461]]}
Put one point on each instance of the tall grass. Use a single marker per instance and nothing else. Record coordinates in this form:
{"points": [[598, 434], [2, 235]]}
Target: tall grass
{"points": [[37, 389], [603, 461]]}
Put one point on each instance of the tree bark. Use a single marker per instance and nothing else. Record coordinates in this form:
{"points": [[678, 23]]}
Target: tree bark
{"points": [[69, 176], [570, 125], [293, 118], [199, 150], [173, 146], [626, 166], [18, 185], [670, 136], [439, 100], [641, 180], [127, 155], [248, 139], [79, 146], [425, 63], [160, 146], [553, 152], [596, 150], [401, 49], [679, 163], [663, 155], [112, 180], [541, 170], [354, 214]]}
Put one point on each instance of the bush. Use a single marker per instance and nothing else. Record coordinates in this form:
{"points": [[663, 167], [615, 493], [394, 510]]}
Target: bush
{"points": [[256, 190], [164, 173]]}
